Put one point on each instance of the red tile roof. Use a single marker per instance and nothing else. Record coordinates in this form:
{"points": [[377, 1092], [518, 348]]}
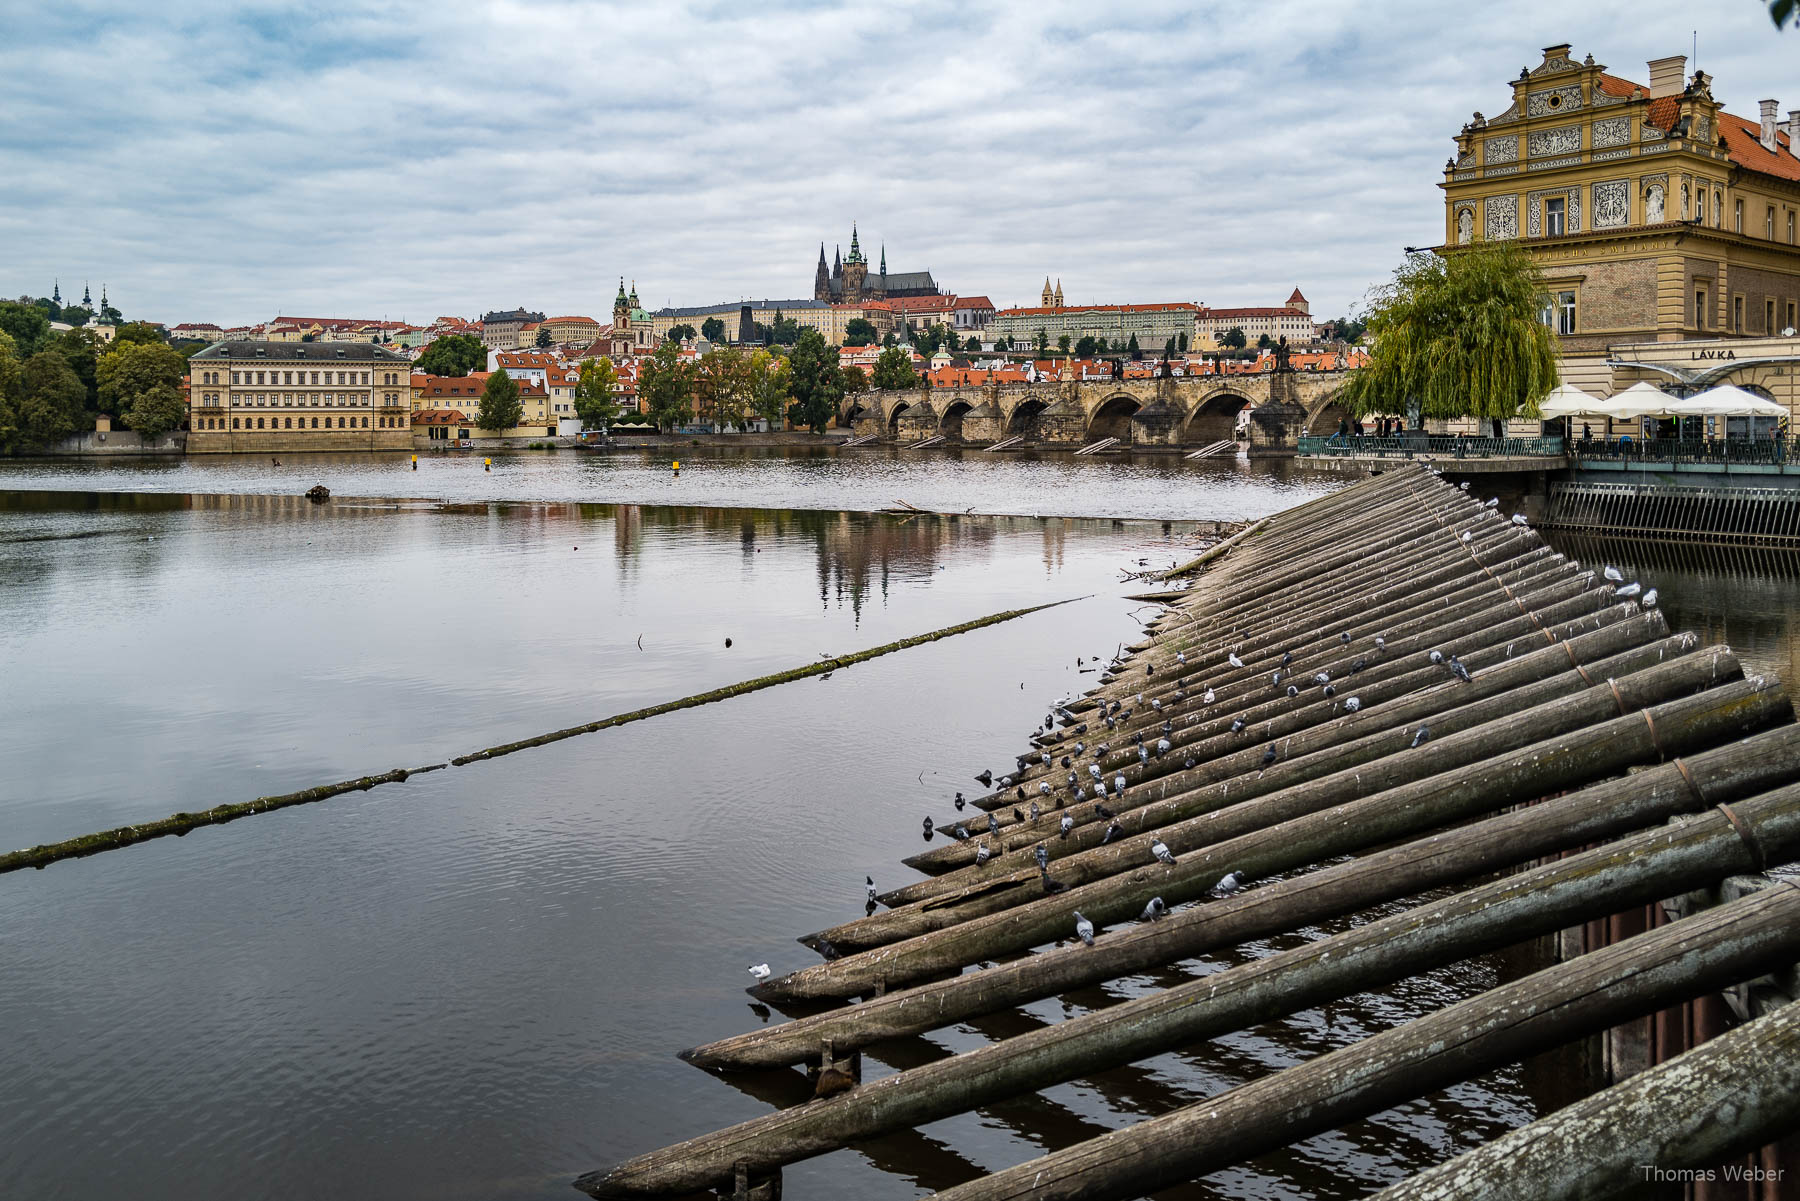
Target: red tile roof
{"points": [[1743, 137], [1100, 308], [439, 417]]}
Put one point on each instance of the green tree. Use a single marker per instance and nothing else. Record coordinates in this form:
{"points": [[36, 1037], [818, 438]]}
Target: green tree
{"points": [[138, 331], [1784, 12], [1134, 349], [76, 315], [855, 381], [666, 386], [543, 338], [770, 386], [1458, 336], [78, 349], [25, 324], [500, 408], [1169, 349], [39, 402], [1085, 348], [453, 354], [1234, 339], [890, 341], [1264, 342], [817, 382], [859, 331], [894, 370], [127, 373], [1347, 329], [52, 310], [157, 411], [785, 331], [681, 333], [1100, 346], [724, 389], [1063, 343], [1183, 342], [595, 401], [1043, 341], [974, 343], [713, 330]]}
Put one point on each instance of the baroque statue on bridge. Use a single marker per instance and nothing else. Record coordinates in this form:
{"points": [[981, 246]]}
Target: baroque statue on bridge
{"points": [[1281, 355]]}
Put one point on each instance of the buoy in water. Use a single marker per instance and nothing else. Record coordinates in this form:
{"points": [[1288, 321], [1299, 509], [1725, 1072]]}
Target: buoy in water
{"points": [[415, 462], [487, 464]]}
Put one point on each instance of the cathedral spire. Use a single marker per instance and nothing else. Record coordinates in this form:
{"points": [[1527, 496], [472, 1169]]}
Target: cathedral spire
{"points": [[884, 259], [87, 297], [837, 261], [856, 255], [56, 294], [619, 300]]}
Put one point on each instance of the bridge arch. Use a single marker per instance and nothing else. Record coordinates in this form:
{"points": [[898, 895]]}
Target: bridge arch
{"points": [[1112, 418], [950, 424], [1326, 414], [856, 411], [1215, 417], [1022, 421], [894, 414]]}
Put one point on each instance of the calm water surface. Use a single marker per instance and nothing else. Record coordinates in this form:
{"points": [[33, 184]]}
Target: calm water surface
{"points": [[472, 985]]}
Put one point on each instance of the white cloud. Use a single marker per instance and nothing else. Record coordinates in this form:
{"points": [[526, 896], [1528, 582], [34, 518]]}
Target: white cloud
{"points": [[228, 161]]}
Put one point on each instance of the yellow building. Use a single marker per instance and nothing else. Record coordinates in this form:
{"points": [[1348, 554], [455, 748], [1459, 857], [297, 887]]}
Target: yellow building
{"points": [[1654, 214], [294, 396], [831, 320]]}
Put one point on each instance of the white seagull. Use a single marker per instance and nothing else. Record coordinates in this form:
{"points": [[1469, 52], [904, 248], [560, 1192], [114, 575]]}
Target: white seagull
{"points": [[759, 971]]}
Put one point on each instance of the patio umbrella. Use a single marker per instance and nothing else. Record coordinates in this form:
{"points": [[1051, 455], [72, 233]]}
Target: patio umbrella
{"points": [[1727, 401], [1566, 400]]}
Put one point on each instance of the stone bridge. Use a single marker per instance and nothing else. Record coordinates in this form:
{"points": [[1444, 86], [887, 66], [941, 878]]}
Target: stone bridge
{"points": [[1175, 412]]}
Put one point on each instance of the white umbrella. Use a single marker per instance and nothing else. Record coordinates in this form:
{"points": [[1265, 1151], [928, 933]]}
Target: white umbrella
{"points": [[1566, 400], [1642, 399], [1726, 401]]}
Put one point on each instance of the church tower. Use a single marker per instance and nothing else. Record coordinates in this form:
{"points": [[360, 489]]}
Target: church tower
{"points": [[621, 310], [1048, 299], [856, 271], [822, 278], [56, 294], [1058, 294]]}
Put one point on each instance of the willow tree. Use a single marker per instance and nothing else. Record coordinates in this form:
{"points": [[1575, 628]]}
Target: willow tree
{"points": [[1458, 335]]}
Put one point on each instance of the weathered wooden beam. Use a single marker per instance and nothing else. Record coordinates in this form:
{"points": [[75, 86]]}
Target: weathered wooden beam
{"points": [[1598, 812], [1382, 760], [1653, 863], [1563, 761], [1546, 1009], [1729, 1095]]}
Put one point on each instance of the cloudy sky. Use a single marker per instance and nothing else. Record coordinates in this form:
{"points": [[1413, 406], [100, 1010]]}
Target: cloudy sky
{"points": [[228, 162]]}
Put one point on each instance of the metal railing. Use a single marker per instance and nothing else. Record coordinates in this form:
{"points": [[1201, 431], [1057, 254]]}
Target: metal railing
{"points": [[1407, 445], [1776, 450]]}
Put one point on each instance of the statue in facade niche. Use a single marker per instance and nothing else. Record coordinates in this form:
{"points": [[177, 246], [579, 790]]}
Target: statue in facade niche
{"points": [[1465, 227], [1653, 204]]}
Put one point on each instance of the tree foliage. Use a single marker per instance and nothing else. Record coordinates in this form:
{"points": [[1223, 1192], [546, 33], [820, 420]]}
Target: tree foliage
{"points": [[771, 386], [1043, 340], [452, 354], [1085, 348], [894, 370], [817, 382], [712, 329], [682, 333], [855, 381], [725, 388], [666, 386], [1784, 12], [138, 331], [130, 371], [26, 324], [543, 338], [1135, 350], [595, 401], [1233, 339], [157, 411], [40, 402], [1458, 336], [1347, 329], [1063, 343], [859, 331], [500, 407]]}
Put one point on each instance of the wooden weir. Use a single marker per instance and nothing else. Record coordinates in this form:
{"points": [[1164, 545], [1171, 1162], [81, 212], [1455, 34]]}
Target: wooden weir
{"points": [[1593, 764], [1736, 516]]}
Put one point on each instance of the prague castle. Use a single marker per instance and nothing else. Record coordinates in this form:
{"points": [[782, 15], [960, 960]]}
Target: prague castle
{"points": [[848, 281], [1654, 214]]}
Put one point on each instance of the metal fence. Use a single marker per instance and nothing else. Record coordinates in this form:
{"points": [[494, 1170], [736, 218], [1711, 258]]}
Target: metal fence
{"points": [[1776, 450], [1407, 445]]}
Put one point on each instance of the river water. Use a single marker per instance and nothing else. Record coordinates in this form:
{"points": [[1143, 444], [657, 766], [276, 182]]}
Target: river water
{"points": [[472, 984]]}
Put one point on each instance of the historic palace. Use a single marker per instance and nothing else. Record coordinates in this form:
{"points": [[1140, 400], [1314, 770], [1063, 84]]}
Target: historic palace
{"points": [[1655, 215], [847, 279]]}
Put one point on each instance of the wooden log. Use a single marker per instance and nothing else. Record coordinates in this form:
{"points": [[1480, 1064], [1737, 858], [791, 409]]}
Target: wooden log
{"points": [[1642, 868], [1546, 1009], [1418, 695], [1563, 761], [1380, 761], [1725, 1097], [1593, 814]]}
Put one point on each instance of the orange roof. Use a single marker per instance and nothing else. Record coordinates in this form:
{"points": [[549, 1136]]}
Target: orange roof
{"points": [[1215, 314], [439, 417], [1743, 137], [566, 320], [974, 302], [1101, 308]]}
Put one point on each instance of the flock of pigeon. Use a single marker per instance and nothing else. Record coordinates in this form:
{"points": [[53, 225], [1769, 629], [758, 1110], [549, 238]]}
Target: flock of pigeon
{"points": [[1114, 714]]}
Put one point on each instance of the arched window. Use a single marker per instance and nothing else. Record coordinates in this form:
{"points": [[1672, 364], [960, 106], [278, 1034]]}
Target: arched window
{"points": [[290, 423], [234, 423], [259, 424], [365, 423], [315, 423]]}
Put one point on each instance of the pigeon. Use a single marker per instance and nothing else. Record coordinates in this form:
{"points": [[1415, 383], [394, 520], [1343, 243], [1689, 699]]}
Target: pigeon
{"points": [[758, 971], [1046, 756], [1149, 669], [1161, 850], [1458, 670], [1287, 657], [982, 855], [1113, 830], [961, 834], [1018, 815], [1380, 644], [1207, 696], [1044, 788], [828, 950], [1359, 665], [1101, 810], [1080, 748], [1237, 725], [993, 824], [1065, 763], [1181, 657], [960, 802], [1168, 727], [1153, 911], [870, 881], [1649, 599], [1228, 884], [1080, 796], [1099, 787], [1330, 691], [1021, 792], [1006, 781], [1119, 785], [1035, 811], [1143, 754], [1292, 691], [1344, 637], [1493, 503], [1613, 574], [1094, 771], [1468, 536], [1269, 755], [1436, 656], [1052, 886], [1067, 824], [1084, 929], [1156, 705], [1628, 591], [1464, 485], [985, 779], [1043, 857], [1188, 762], [1231, 658], [928, 827], [1275, 679], [1519, 519], [1421, 736], [1352, 704], [1162, 746]]}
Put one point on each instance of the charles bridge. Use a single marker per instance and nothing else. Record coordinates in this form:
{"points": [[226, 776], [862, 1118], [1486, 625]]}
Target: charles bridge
{"points": [[1169, 412]]}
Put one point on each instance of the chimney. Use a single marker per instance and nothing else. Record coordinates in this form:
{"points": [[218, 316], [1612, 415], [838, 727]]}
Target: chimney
{"points": [[1668, 76], [1793, 132], [1768, 124]]}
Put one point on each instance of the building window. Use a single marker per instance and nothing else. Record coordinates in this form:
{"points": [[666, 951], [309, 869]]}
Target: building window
{"points": [[365, 423], [1737, 216], [1719, 211], [259, 423], [1769, 224], [1789, 325], [1768, 316], [1737, 314], [1562, 312], [1699, 308], [1555, 214], [234, 423]]}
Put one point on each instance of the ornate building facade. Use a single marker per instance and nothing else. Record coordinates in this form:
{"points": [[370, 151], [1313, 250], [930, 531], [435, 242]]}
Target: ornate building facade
{"points": [[848, 280], [1654, 214], [292, 396]]}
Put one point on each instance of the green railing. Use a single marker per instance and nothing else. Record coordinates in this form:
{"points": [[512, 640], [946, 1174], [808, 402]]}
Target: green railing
{"points": [[1407, 445]]}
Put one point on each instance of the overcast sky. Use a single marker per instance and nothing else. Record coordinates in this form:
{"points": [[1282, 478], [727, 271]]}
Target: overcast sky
{"points": [[228, 162]]}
